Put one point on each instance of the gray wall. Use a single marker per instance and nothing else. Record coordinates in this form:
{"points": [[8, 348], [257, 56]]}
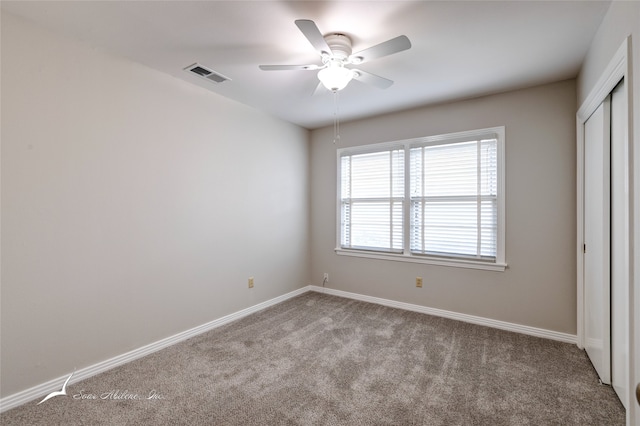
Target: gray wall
{"points": [[622, 19], [134, 206], [538, 289]]}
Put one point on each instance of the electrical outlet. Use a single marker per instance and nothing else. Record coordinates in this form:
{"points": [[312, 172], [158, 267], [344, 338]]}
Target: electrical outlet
{"points": [[250, 282], [419, 282]]}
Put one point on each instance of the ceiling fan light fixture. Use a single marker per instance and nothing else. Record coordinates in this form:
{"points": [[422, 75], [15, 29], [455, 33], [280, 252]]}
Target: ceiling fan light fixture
{"points": [[335, 77], [336, 52]]}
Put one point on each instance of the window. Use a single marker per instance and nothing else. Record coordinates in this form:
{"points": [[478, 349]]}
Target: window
{"points": [[372, 198], [436, 199]]}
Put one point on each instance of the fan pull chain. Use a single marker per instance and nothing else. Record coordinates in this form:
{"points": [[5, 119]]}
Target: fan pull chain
{"points": [[336, 118]]}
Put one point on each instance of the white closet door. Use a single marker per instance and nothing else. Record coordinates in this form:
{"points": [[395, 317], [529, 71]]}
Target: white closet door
{"points": [[597, 240], [619, 245]]}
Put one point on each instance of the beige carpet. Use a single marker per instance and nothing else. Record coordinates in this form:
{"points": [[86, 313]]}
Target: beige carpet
{"points": [[324, 360]]}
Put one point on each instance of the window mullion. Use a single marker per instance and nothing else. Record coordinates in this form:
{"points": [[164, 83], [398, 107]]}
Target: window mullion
{"points": [[479, 200], [406, 231], [391, 200], [350, 200], [423, 203]]}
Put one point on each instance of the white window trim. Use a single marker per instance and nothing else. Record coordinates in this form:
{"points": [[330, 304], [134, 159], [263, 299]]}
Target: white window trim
{"points": [[460, 262]]}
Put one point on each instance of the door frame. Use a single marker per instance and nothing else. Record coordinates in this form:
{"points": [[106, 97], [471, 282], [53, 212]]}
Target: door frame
{"points": [[616, 70]]}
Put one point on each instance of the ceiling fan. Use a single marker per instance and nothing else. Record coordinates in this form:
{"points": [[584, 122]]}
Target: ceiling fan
{"points": [[335, 52]]}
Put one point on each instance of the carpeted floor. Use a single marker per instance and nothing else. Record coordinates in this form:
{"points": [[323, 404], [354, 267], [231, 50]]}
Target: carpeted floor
{"points": [[324, 360]]}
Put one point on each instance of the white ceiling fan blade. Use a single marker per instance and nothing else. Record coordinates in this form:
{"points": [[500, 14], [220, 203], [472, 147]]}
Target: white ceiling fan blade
{"points": [[386, 48], [372, 79], [289, 67], [315, 37]]}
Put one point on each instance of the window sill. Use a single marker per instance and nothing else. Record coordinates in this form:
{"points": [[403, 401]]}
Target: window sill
{"points": [[457, 263]]}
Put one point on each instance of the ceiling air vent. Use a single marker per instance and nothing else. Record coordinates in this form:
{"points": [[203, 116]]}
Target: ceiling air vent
{"points": [[206, 73]]}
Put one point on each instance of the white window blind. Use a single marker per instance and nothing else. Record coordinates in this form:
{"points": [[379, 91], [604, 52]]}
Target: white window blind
{"points": [[436, 199], [454, 188], [372, 200]]}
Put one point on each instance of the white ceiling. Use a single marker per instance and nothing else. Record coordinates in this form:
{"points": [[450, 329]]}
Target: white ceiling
{"points": [[459, 49]]}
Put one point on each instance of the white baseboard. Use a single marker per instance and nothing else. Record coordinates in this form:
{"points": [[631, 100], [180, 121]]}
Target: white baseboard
{"points": [[43, 389], [502, 325]]}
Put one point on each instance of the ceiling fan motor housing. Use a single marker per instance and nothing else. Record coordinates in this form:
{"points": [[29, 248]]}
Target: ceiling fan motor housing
{"points": [[340, 46]]}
